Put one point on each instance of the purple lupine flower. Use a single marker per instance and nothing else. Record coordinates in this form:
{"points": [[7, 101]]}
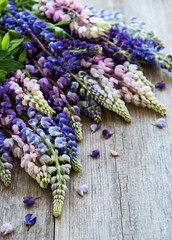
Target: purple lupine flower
{"points": [[106, 133], [29, 220], [30, 68], [82, 189], [28, 200], [160, 85], [95, 153], [94, 127]]}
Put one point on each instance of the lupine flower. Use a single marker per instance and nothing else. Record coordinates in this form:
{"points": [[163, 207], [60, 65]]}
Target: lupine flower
{"points": [[95, 153], [82, 189], [29, 220], [161, 123], [6, 228], [106, 133]]}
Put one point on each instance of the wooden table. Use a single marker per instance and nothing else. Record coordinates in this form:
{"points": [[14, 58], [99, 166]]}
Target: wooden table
{"points": [[130, 197]]}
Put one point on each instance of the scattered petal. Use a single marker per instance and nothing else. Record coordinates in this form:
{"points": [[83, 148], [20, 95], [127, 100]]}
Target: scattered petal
{"points": [[6, 228], [161, 123], [82, 189], [95, 153], [28, 220], [28, 200], [114, 153], [106, 133], [160, 85], [94, 127]]}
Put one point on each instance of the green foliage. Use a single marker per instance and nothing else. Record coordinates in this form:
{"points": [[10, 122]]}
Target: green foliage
{"points": [[3, 5], [5, 42], [12, 53], [58, 32]]}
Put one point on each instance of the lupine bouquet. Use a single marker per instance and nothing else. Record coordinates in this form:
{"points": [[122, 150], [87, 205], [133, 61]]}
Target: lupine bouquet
{"points": [[58, 59]]}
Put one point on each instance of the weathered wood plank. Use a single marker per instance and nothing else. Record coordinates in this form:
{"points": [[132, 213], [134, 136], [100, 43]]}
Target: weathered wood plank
{"points": [[130, 196], [13, 210]]}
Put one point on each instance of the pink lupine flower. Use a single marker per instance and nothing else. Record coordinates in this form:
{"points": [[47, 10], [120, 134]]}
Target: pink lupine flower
{"points": [[119, 70]]}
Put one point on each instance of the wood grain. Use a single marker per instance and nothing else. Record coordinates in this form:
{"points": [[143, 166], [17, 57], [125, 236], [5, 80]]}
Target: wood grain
{"points": [[130, 197]]}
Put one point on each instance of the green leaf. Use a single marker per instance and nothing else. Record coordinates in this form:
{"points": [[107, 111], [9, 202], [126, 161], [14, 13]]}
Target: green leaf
{"points": [[15, 43], [10, 65], [22, 55], [2, 76], [16, 50], [3, 4], [16, 34], [3, 54], [63, 22], [5, 42]]}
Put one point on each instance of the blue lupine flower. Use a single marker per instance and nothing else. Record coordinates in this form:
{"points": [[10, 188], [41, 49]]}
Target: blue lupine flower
{"points": [[31, 112], [40, 132], [60, 142], [29, 220], [41, 148], [67, 129], [27, 45], [33, 122], [54, 131], [46, 122], [34, 139]]}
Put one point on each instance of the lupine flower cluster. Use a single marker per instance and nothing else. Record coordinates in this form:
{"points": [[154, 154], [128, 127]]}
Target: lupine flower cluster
{"points": [[96, 65]]}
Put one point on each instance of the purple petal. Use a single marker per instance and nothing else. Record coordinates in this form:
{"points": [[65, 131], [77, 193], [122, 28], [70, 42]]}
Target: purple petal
{"points": [[28, 200], [160, 85], [106, 133], [82, 189], [161, 123], [33, 221], [95, 153], [80, 192], [28, 219], [94, 127]]}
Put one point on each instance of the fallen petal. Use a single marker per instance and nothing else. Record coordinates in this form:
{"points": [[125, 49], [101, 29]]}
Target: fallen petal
{"points": [[160, 85], [94, 127], [6, 228], [161, 123], [82, 189], [114, 153], [95, 153], [106, 133], [28, 200], [28, 220]]}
